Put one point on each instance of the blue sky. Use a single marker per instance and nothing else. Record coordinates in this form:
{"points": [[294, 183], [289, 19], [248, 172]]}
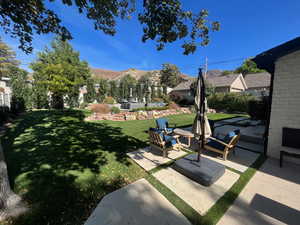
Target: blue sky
{"points": [[247, 28]]}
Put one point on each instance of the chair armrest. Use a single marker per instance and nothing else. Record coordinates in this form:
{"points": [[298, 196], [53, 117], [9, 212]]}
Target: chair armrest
{"points": [[221, 142]]}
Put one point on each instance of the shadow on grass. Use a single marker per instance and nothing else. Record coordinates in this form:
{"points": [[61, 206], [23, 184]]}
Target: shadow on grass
{"points": [[62, 166]]}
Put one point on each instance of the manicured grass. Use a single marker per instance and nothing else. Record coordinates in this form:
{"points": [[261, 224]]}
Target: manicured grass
{"points": [[63, 166]]}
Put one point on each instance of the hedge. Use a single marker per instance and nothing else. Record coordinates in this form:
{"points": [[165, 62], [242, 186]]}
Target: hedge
{"points": [[149, 108], [230, 102]]}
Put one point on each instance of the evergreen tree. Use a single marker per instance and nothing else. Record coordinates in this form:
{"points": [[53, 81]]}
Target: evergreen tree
{"points": [[113, 92], [90, 96], [153, 92], [102, 90], [7, 58], [139, 91], [61, 71], [21, 92], [126, 83], [165, 90], [159, 92]]}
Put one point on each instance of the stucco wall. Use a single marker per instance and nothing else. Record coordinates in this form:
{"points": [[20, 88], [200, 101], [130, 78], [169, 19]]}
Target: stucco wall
{"points": [[285, 111], [237, 85]]}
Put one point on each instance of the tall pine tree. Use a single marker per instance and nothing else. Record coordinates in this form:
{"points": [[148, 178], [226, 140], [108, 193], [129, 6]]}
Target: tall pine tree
{"points": [[61, 71]]}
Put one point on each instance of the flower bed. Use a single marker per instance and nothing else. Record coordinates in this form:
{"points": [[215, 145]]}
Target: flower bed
{"points": [[140, 115]]}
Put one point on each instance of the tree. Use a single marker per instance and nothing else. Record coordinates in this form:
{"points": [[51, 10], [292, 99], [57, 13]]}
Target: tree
{"points": [[159, 92], [209, 89], [140, 94], [247, 67], [145, 78], [102, 89], [21, 92], [113, 92], [162, 21], [153, 92], [40, 96], [61, 71], [126, 83], [227, 72], [90, 95], [7, 58], [170, 75]]}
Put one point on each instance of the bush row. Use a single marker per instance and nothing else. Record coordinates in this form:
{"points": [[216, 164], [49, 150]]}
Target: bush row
{"points": [[230, 102]]}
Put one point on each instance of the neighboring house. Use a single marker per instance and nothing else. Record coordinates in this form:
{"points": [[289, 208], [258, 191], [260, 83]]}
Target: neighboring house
{"points": [[258, 84], [183, 90], [228, 83], [5, 92], [283, 124]]}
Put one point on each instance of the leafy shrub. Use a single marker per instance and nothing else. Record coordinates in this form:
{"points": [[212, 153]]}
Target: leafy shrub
{"points": [[150, 108], [109, 100], [166, 98], [230, 102], [173, 105], [186, 101], [100, 108], [115, 110]]}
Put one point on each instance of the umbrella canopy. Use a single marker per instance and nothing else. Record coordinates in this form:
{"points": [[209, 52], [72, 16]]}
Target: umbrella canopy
{"points": [[201, 124]]}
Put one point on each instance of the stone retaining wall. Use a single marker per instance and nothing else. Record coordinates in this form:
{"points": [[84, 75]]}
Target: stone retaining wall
{"points": [[142, 115]]}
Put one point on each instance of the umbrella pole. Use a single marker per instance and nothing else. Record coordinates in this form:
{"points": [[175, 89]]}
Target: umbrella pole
{"points": [[202, 109]]}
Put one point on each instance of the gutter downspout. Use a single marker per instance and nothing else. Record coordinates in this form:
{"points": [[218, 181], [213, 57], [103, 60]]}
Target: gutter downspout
{"points": [[266, 138]]}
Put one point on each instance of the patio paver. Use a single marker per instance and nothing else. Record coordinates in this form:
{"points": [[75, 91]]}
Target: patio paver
{"points": [[137, 203], [239, 161], [271, 197], [151, 158], [199, 197]]}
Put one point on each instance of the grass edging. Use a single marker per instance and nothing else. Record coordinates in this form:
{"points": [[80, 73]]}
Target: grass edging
{"points": [[222, 205], [216, 212], [190, 213]]}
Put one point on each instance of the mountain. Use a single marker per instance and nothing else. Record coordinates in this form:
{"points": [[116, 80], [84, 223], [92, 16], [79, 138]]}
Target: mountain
{"points": [[137, 74], [214, 73]]}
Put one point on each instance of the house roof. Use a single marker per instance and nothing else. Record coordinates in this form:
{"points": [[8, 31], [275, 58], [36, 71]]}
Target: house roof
{"points": [[266, 59], [185, 85], [257, 80], [222, 81]]}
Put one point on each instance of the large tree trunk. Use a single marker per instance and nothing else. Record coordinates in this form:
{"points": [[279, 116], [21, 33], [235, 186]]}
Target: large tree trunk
{"points": [[10, 203], [57, 101]]}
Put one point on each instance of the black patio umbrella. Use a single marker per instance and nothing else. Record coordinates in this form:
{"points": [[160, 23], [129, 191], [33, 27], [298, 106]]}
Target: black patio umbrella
{"points": [[201, 128]]}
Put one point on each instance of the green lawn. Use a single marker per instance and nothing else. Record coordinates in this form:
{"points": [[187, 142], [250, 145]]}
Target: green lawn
{"points": [[63, 166]]}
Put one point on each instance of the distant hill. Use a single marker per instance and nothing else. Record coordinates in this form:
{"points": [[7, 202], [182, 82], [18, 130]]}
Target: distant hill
{"points": [[137, 74], [214, 73]]}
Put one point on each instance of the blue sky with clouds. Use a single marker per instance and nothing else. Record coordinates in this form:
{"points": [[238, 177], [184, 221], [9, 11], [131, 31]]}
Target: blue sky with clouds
{"points": [[247, 28]]}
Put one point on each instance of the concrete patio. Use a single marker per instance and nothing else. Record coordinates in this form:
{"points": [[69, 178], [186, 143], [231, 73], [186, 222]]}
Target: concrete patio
{"points": [[199, 197], [137, 203], [149, 158], [271, 197]]}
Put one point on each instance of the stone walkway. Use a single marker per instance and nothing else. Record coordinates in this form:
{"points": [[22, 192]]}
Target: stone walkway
{"points": [[271, 197], [199, 197], [136, 204], [149, 158]]}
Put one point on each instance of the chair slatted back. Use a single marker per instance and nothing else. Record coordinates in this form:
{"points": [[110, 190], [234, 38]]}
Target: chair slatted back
{"points": [[156, 139]]}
